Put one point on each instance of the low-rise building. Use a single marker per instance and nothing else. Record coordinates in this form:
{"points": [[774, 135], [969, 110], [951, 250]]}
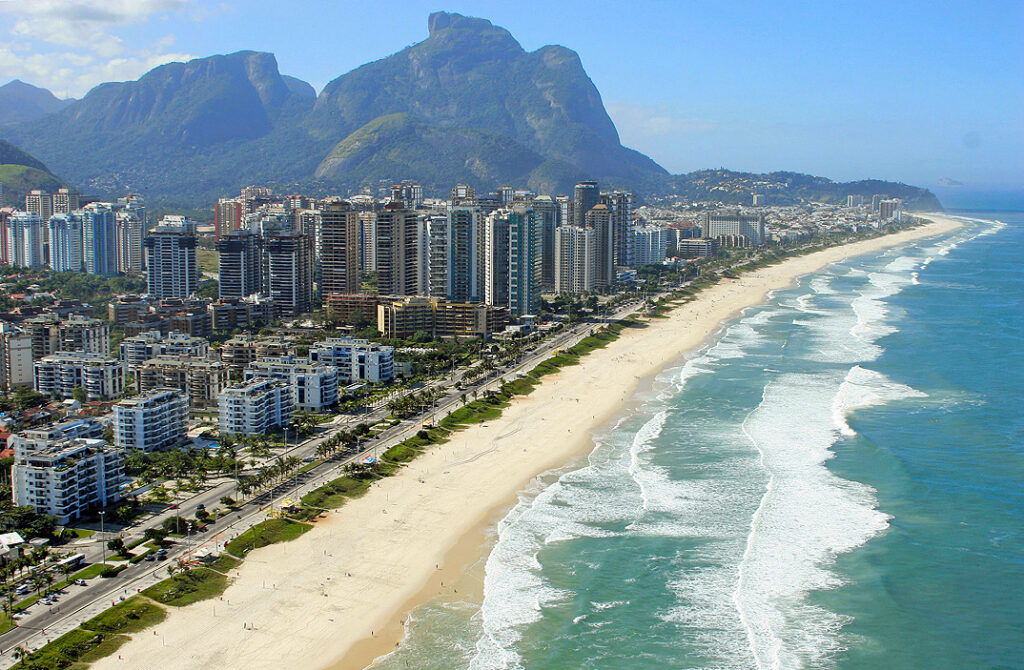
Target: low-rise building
{"points": [[255, 407], [154, 421], [314, 384], [138, 349], [404, 317], [696, 248], [60, 374], [61, 470], [51, 333], [356, 360], [200, 380]]}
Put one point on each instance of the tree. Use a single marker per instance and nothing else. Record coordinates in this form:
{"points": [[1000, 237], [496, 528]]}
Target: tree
{"points": [[116, 545], [79, 394]]}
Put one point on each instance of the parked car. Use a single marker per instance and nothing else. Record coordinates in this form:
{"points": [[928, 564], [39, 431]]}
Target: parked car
{"points": [[80, 582]]}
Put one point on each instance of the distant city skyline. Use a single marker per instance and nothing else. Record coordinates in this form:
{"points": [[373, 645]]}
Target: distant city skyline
{"points": [[914, 91]]}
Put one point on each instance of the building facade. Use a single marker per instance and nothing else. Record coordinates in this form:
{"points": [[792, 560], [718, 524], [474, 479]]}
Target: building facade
{"points": [[58, 375], [157, 420], [171, 269], [64, 475], [200, 380], [314, 384], [255, 407], [356, 360]]}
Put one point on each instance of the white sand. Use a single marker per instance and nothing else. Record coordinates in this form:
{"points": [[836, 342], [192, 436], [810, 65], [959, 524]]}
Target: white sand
{"points": [[314, 602]]}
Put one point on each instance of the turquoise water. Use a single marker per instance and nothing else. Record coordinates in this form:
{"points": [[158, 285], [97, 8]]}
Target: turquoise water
{"points": [[836, 481]]}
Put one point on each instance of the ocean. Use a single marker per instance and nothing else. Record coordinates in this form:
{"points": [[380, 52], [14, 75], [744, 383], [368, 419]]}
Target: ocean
{"points": [[836, 480]]}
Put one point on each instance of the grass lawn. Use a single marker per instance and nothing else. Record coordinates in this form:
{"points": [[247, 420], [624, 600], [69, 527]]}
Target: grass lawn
{"points": [[334, 493], [80, 532], [223, 563], [270, 531], [130, 616], [70, 649], [207, 260], [187, 587]]}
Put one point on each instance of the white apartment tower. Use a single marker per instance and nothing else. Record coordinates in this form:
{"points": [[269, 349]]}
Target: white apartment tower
{"points": [[154, 421]]}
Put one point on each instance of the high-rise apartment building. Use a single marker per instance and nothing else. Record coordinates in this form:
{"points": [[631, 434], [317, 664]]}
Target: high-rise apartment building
{"points": [[25, 240], [171, 269], [600, 220], [437, 255], [240, 261], [576, 254], [15, 358], [288, 273], [339, 250], [66, 242], [227, 216], [620, 211], [496, 259], [398, 251], [129, 238], [65, 201], [462, 250], [587, 195], [99, 240], [548, 213], [524, 268], [40, 203], [463, 194]]}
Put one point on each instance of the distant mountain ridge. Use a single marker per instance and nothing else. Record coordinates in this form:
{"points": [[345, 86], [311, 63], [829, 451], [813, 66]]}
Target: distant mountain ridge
{"points": [[23, 102], [467, 104], [787, 188]]}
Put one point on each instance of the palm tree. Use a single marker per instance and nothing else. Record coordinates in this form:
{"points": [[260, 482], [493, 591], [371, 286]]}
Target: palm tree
{"points": [[20, 654]]}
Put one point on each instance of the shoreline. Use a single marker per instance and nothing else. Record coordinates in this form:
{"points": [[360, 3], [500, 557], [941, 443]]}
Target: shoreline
{"points": [[411, 537]]}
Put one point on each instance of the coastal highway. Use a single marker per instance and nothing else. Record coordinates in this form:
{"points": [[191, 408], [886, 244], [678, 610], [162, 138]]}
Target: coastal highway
{"points": [[41, 623]]}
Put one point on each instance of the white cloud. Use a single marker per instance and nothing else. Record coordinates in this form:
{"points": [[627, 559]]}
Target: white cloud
{"points": [[69, 46], [648, 121]]}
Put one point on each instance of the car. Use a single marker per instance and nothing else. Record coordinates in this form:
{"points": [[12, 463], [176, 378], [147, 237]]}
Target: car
{"points": [[200, 506], [80, 582], [173, 506], [202, 529], [149, 557], [161, 557]]}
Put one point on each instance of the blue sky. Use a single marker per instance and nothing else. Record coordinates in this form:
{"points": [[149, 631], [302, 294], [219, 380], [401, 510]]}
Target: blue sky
{"points": [[909, 91]]}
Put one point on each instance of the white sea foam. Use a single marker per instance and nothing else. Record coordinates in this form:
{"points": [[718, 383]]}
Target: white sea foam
{"points": [[807, 517], [866, 388], [822, 285]]}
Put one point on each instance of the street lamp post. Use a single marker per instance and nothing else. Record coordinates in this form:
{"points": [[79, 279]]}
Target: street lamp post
{"points": [[103, 544]]}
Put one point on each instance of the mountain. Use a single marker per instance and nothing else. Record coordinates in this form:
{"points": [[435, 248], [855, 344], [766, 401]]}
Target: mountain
{"points": [[470, 75], [20, 173], [23, 102], [787, 188], [467, 104]]}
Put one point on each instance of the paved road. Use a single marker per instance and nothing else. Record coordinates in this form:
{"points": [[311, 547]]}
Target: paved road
{"points": [[41, 624]]}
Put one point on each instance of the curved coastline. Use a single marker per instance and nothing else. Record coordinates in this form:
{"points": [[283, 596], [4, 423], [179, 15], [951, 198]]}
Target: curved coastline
{"points": [[338, 596]]}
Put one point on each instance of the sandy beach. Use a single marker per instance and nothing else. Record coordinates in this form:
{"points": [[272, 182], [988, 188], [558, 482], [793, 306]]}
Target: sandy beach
{"points": [[337, 597]]}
